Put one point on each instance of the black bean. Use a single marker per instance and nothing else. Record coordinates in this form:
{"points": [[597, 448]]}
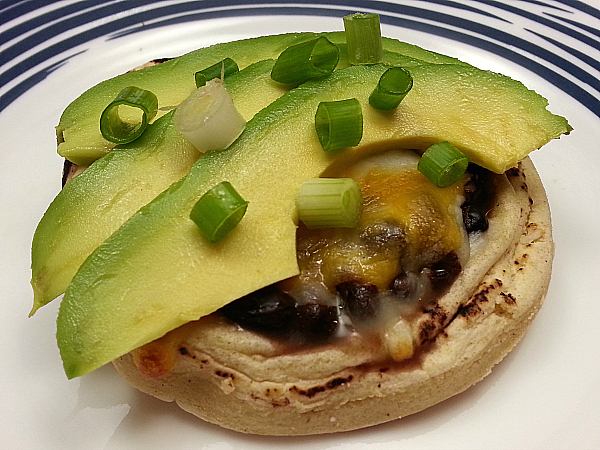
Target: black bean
{"points": [[403, 286], [478, 195], [360, 299], [267, 309], [444, 272], [474, 219], [317, 321]]}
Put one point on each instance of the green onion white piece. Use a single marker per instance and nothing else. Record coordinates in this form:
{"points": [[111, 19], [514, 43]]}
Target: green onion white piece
{"points": [[363, 37], [301, 62], [443, 164], [391, 89], [128, 115], [218, 211], [339, 124], [208, 118], [329, 202], [219, 70]]}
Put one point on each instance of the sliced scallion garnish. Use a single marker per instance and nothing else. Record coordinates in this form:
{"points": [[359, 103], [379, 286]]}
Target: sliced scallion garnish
{"points": [[208, 118], [219, 70], [363, 37], [218, 211], [304, 61], [443, 164], [128, 115], [393, 86], [339, 124], [329, 202]]}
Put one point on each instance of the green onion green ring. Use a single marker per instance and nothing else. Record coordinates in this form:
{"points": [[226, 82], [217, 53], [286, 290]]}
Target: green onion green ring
{"points": [[393, 86], [218, 211], [329, 202], [443, 164], [221, 69], [339, 124], [301, 62], [139, 108], [363, 37]]}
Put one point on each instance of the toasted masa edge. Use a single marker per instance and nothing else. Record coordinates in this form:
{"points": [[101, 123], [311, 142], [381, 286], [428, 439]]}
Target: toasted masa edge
{"points": [[485, 328]]}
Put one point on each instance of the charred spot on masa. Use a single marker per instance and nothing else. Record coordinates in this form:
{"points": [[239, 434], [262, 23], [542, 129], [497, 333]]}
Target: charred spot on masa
{"points": [[339, 381], [384, 369], [427, 333], [472, 308], [310, 393], [469, 310], [224, 374], [530, 201], [509, 299], [436, 312], [431, 326], [331, 384], [183, 351], [282, 402]]}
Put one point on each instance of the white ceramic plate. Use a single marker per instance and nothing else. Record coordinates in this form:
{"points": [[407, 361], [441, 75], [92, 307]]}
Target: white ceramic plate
{"points": [[545, 394]]}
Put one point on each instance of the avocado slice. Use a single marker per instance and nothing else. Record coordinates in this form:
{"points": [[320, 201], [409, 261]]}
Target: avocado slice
{"points": [[95, 203], [157, 272], [78, 131]]}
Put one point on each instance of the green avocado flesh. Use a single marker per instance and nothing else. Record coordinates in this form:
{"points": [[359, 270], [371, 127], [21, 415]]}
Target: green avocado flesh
{"points": [[157, 272], [95, 203], [98, 201], [78, 132]]}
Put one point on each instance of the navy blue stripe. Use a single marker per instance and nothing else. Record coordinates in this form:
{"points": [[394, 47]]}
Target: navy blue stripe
{"points": [[12, 94], [129, 21], [32, 24], [12, 10], [581, 26], [88, 16], [578, 54], [45, 33], [544, 21], [544, 4], [582, 6]]}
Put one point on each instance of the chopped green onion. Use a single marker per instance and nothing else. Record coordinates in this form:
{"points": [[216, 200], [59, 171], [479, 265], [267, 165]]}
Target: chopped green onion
{"points": [[310, 59], [218, 70], [329, 202], [127, 116], [218, 211], [393, 86], [363, 37], [339, 124], [208, 118], [443, 164]]}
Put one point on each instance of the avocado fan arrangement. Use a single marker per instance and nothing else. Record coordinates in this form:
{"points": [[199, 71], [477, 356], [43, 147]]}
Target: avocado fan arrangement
{"points": [[151, 234]]}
